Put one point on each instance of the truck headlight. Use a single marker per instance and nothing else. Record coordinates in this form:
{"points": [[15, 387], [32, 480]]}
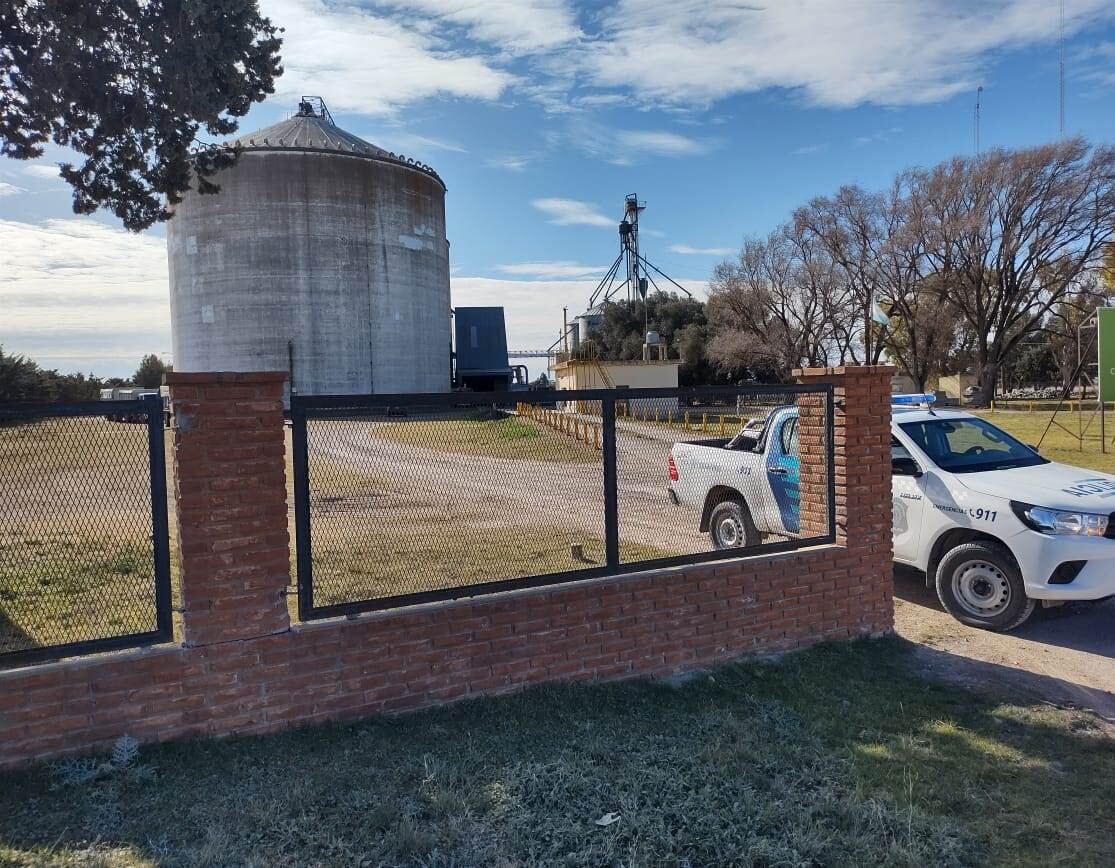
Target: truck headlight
{"points": [[1058, 522]]}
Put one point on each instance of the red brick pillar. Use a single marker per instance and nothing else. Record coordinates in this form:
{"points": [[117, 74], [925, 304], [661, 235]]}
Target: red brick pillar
{"points": [[815, 471], [230, 493], [864, 514]]}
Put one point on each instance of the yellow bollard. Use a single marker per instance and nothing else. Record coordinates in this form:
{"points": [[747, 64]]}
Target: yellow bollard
{"points": [[704, 423], [721, 424], [596, 437], [670, 417], [686, 420]]}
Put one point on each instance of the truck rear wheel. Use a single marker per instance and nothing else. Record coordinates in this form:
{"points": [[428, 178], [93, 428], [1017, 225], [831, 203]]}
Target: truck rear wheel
{"points": [[730, 526], [980, 585]]}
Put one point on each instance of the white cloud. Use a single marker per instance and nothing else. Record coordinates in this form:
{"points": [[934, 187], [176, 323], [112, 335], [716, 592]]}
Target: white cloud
{"points": [[835, 54], [622, 147], [553, 270], [808, 149], [876, 136], [701, 251], [42, 170], [79, 290], [511, 163], [7, 189], [571, 212], [660, 143], [516, 26], [413, 143], [372, 64]]}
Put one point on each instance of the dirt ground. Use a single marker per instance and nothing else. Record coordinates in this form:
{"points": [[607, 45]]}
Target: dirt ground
{"points": [[1064, 656]]}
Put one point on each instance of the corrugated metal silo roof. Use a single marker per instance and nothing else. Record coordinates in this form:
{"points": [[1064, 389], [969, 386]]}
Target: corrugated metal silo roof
{"points": [[313, 132]]}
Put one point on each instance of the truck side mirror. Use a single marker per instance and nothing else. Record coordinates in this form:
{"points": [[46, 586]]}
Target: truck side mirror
{"points": [[904, 465]]}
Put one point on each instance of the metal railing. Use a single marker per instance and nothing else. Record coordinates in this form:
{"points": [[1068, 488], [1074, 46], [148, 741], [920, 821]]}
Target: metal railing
{"points": [[84, 544], [404, 499]]}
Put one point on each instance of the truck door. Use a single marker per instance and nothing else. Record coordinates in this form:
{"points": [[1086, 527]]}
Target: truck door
{"points": [[784, 476], [908, 499]]}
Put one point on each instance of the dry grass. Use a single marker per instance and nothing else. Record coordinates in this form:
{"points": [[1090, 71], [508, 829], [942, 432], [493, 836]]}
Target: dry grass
{"points": [[507, 437], [378, 559], [1059, 444], [75, 525], [839, 756]]}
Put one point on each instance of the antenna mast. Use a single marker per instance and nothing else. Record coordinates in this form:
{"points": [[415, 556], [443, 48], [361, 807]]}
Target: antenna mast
{"points": [[979, 90], [1062, 69]]}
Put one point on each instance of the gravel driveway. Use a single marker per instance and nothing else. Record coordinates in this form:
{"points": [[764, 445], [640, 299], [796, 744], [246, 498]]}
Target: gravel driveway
{"points": [[544, 493], [1065, 656]]}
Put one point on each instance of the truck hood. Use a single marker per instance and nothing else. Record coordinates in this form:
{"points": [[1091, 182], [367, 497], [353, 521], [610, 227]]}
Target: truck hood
{"points": [[1055, 486]]}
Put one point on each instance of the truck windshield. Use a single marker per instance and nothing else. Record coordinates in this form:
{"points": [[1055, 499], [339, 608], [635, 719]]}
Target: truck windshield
{"points": [[970, 445]]}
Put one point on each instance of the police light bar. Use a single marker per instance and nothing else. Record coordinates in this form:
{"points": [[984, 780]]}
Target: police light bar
{"points": [[912, 400]]}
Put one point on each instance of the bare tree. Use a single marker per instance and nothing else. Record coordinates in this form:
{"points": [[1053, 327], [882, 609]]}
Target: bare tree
{"points": [[1011, 232], [851, 229], [768, 311]]}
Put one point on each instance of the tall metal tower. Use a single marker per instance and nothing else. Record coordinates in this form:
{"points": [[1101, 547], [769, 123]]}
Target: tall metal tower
{"points": [[637, 269]]}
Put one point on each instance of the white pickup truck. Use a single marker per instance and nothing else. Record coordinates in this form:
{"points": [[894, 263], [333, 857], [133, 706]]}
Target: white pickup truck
{"points": [[994, 525]]}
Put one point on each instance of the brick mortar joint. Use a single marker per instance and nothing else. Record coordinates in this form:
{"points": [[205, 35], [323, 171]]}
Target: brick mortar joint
{"points": [[229, 378]]}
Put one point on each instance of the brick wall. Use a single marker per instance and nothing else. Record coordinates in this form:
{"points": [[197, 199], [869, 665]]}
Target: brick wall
{"points": [[240, 667]]}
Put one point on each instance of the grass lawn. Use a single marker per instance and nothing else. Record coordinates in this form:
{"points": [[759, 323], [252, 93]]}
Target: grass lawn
{"points": [[1060, 445], [366, 561], [505, 437], [836, 756], [76, 559], [57, 588]]}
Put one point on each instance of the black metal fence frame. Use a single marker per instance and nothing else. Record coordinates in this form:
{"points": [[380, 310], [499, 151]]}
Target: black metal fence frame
{"points": [[151, 407], [304, 408]]}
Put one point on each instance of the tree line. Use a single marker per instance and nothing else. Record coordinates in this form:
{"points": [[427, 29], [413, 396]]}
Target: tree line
{"points": [[22, 379], [987, 263]]}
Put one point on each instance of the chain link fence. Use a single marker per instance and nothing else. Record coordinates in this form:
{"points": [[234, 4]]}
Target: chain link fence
{"points": [[84, 552], [407, 499]]}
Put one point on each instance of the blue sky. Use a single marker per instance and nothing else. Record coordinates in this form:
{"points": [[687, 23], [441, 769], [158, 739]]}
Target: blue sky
{"points": [[542, 114]]}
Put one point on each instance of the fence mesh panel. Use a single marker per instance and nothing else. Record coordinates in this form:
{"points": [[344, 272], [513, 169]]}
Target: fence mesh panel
{"points": [[78, 564], [426, 499], [719, 472]]}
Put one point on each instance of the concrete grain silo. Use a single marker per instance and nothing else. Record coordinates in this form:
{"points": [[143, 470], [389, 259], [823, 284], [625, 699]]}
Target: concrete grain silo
{"points": [[322, 255]]}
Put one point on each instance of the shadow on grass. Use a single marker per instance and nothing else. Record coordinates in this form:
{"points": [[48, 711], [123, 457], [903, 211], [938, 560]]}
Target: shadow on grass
{"points": [[835, 756], [12, 636]]}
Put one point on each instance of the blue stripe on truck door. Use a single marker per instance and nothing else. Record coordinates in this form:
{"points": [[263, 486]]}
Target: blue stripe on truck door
{"points": [[784, 472]]}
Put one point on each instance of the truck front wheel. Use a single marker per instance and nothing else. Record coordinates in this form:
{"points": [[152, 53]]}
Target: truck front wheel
{"points": [[730, 526], [980, 585]]}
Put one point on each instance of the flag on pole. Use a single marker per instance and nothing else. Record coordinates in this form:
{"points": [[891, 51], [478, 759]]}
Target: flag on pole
{"points": [[877, 314]]}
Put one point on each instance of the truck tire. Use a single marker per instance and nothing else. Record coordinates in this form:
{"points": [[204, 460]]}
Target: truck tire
{"points": [[730, 526], [980, 585]]}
